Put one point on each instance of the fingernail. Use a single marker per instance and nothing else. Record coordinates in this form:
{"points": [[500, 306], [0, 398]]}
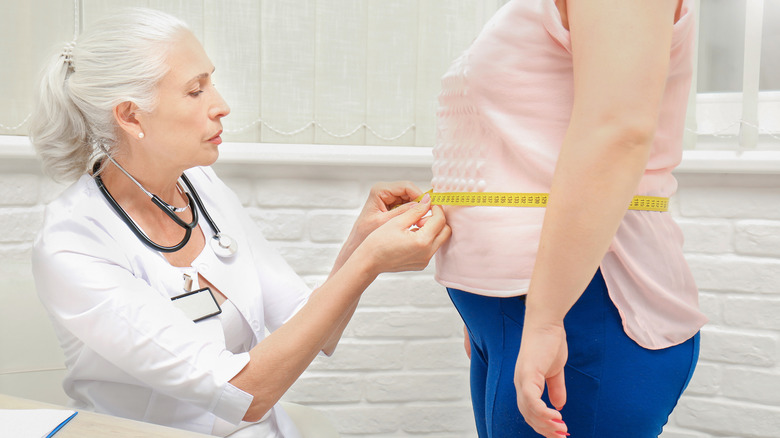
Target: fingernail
{"points": [[426, 198], [562, 433], [558, 421]]}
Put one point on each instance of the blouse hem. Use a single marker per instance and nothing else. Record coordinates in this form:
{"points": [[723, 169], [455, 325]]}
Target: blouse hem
{"points": [[481, 291]]}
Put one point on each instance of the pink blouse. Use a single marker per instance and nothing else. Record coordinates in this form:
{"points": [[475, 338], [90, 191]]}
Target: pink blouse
{"points": [[504, 108]]}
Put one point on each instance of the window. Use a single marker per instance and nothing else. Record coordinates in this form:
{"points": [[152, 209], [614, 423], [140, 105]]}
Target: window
{"points": [[738, 80], [367, 72]]}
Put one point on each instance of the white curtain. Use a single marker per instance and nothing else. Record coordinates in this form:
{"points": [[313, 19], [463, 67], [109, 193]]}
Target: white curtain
{"points": [[306, 71], [26, 38], [366, 72]]}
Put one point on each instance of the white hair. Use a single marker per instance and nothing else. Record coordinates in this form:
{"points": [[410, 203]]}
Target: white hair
{"points": [[120, 58]]}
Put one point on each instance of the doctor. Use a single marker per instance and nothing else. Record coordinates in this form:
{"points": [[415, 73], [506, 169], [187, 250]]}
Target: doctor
{"points": [[158, 284]]}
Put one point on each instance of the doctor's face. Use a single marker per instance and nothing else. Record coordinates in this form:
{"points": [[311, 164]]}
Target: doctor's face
{"points": [[185, 127]]}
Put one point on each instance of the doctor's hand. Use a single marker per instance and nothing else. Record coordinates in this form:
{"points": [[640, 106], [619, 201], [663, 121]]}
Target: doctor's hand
{"points": [[543, 354], [406, 242], [385, 201]]}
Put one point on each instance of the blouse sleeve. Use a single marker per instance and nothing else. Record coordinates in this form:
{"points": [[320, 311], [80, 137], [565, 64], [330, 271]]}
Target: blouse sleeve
{"points": [[84, 280]]}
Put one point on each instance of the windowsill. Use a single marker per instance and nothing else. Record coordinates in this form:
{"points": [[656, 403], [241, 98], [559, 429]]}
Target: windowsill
{"points": [[694, 161], [753, 162]]}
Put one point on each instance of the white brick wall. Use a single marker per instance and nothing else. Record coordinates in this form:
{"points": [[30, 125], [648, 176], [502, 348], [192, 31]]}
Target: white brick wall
{"points": [[732, 229], [401, 371]]}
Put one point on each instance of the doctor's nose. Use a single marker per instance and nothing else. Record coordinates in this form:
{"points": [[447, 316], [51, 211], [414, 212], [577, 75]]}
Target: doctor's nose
{"points": [[219, 108]]}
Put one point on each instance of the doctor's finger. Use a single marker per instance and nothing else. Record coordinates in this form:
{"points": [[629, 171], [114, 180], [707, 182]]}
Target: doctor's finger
{"points": [[413, 215], [396, 193], [398, 210], [444, 231], [441, 238], [423, 220], [434, 223]]}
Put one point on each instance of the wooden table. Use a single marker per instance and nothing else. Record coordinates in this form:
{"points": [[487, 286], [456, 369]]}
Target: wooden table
{"points": [[91, 425]]}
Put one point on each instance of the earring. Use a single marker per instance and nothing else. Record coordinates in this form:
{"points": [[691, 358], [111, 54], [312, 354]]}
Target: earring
{"points": [[140, 135]]}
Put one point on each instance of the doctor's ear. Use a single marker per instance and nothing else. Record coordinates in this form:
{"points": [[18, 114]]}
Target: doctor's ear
{"points": [[125, 116]]}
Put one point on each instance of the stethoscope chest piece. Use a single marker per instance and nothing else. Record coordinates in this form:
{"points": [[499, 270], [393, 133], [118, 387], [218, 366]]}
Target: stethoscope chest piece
{"points": [[224, 246]]}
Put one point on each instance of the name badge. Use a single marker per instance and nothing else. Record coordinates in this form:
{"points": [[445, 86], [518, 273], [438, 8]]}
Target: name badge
{"points": [[198, 304]]}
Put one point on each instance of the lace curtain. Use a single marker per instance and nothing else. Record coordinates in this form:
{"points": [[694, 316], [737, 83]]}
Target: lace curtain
{"points": [[307, 71], [367, 72]]}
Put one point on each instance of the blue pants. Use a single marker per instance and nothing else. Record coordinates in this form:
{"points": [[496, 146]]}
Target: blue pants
{"points": [[615, 388]]}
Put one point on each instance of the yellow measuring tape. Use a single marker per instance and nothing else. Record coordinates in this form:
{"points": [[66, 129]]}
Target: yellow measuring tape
{"points": [[496, 199]]}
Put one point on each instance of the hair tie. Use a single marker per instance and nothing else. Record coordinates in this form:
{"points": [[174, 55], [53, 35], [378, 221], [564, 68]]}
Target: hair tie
{"points": [[67, 53]]}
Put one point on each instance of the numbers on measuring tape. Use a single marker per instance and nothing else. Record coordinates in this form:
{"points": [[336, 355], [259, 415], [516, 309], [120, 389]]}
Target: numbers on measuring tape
{"points": [[495, 199]]}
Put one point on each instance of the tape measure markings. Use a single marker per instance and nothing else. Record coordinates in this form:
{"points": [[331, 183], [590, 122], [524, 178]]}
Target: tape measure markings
{"points": [[498, 199]]}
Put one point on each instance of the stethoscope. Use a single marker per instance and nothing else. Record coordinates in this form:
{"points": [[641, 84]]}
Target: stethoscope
{"points": [[223, 246]]}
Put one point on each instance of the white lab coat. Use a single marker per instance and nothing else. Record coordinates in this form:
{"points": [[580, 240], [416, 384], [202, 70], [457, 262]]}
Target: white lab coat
{"points": [[128, 351]]}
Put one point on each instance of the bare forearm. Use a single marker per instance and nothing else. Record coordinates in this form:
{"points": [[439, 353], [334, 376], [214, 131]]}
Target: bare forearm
{"points": [[352, 242], [620, 53], [335, 337], [607, 143], [591, 191], [277, 361], [281, 358], [356, 236], [383, 199]]}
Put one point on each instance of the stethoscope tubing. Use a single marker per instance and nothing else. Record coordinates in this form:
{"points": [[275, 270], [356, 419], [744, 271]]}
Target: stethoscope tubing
{"points": [[199, 203], [192, 198]]}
